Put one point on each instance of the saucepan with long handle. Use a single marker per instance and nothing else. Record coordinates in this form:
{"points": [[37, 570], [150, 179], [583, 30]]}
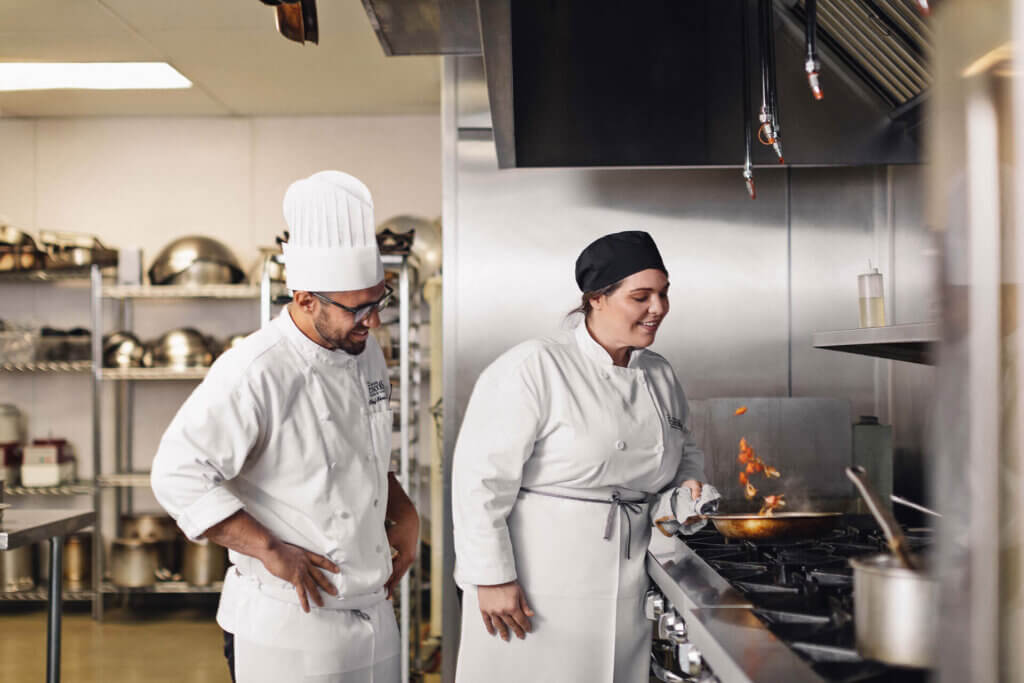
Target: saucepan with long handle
{"points": [[778, 526], [894, 596]]}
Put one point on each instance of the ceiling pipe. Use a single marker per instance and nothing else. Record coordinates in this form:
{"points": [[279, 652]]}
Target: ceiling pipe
{"points": [[812, 66]]}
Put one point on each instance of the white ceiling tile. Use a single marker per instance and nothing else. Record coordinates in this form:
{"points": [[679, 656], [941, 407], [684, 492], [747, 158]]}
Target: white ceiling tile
{"points": [[43, 16], [254, 73], [148, 16], [229, 48], [76, 47], [188, 102]]}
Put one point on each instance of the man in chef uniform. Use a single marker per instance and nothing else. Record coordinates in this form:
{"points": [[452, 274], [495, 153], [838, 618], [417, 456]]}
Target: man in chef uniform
{"points": [[282, 455]]}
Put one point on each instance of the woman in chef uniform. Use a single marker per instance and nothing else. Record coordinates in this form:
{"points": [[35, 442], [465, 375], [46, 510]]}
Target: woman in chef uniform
{"points": [[564, 443]]}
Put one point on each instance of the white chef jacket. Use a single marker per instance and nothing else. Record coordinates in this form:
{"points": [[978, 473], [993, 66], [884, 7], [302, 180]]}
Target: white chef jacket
{"points": [[553, 427], [557, 414], [300, 437]]}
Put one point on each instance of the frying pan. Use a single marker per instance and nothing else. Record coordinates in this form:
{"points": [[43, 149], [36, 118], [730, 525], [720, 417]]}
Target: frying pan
{"points": [[780, 526]]}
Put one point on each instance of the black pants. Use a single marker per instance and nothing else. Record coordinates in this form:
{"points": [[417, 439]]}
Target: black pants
{"points": [[229, 653]]}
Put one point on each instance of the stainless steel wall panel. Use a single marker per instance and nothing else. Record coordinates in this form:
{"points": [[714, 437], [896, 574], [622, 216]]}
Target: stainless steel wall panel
{"points": [[809, 440], [519, 232], [471, 97], [915, 253], [914, 299], [833, 224]]}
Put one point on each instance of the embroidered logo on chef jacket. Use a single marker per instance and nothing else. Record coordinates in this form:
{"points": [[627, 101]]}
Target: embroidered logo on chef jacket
{"points": [[379, 391], [674, 422]]}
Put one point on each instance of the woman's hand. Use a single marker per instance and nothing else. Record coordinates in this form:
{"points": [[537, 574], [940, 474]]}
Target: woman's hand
{"points": [[695, 488], [503, 608]]}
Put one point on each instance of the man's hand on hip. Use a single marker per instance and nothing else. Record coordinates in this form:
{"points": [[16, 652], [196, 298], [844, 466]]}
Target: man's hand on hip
{"points": [[301, 569]]}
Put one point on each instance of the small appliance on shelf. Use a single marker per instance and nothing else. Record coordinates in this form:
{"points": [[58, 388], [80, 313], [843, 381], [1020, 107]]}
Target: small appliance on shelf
{"points": [[48, 462]]}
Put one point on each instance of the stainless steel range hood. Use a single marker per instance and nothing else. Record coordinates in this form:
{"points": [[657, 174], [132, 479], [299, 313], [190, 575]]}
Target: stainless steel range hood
{"points": [[425, 27], [658, 82]]}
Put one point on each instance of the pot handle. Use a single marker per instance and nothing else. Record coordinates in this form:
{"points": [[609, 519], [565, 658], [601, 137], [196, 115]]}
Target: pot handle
{"points": [[884, 517]]}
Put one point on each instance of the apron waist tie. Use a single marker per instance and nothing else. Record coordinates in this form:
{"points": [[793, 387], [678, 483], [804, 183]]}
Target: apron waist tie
{"points": [[617, 505]]}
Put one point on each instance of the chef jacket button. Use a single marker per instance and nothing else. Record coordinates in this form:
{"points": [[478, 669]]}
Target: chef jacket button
{"points": [[620, 445], [375, 502], [344, 515], [331, 465], [606, 375], [378, 548]]}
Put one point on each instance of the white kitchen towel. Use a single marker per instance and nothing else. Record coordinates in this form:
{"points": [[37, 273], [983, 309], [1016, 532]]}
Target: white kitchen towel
{"points": [[678, 511]]}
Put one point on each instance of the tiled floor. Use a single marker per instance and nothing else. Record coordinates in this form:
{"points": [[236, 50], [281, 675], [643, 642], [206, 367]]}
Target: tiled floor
{"points": [[130, 646]]}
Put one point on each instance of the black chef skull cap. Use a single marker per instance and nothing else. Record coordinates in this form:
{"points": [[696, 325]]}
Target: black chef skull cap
{"points": [[615, 257]]}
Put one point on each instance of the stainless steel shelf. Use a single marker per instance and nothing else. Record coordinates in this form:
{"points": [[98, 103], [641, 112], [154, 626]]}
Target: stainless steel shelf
{"points": [[40, 595], [81, 488], [152, 374], [51, 367], [62, 275], [180, 292], [107, 588], [164, 587], [913, 343], [123, 480]]}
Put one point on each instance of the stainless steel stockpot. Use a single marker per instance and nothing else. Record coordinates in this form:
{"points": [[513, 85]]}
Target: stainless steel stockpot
{"points": [[133, 562], [205, 562], [16, 570], [895, 611]]}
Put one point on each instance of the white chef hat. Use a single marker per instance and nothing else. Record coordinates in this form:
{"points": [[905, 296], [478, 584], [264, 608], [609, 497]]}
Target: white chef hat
{"points": [[332, 246]]}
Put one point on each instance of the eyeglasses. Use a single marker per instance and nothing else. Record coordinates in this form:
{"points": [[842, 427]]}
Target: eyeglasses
{"points": [[360, 313]]}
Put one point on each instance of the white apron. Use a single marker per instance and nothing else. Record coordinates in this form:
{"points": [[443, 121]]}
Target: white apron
{"points": [[551, 422]]}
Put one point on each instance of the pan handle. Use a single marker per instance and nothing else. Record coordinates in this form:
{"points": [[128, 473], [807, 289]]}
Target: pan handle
{"points": [[890, 527]]}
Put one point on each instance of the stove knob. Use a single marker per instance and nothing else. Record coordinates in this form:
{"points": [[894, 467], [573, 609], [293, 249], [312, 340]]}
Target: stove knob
{"points": [[671, 627], [654, 605], [677, 632], [689, 659]]}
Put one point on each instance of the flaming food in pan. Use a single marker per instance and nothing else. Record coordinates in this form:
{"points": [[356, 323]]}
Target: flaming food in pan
{"points": [[771, 503], [768, 525], [754, 465]]}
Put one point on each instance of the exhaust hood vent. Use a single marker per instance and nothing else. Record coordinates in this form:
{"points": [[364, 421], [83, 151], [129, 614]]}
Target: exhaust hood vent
{"points": [[582, 83], [886, 42], [587, 83]]}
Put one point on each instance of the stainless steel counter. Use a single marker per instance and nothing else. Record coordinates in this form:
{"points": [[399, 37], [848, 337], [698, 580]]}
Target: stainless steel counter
{"points": [[23, 527], [736, 644]]}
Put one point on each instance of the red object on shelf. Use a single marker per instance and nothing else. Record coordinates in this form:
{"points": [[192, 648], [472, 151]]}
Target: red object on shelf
{"points": [[11, 454]]}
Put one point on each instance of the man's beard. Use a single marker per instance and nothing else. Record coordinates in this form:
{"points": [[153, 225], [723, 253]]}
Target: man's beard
{"points": [[353, 348]]}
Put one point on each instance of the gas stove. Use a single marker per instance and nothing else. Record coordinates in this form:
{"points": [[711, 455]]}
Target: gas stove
{"points": [[801, 592]]}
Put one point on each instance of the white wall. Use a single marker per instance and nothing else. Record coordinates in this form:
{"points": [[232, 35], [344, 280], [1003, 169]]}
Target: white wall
{"points": [[144, 181]]}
